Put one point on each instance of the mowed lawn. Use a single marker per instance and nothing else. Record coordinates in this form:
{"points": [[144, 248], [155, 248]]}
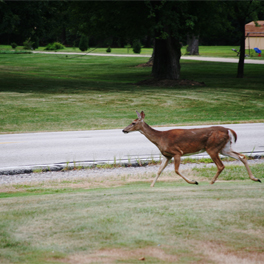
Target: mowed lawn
{"points": [[70, 92], [120, 219]]}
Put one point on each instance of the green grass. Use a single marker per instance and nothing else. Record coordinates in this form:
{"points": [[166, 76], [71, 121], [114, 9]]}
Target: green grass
{"points": [[230, 172], [225, 51], [83, 222], [218, 51], [56, 93]]}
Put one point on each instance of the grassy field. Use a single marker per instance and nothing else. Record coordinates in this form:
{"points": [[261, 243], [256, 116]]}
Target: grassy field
{"points": [[58, 92], [120, 219]]}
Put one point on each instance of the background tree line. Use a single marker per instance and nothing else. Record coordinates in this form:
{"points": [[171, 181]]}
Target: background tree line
{"points": [[164, 25], [54, 21]]}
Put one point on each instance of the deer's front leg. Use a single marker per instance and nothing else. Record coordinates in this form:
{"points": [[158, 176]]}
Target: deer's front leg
{"points": [[177, 161], [161, 168]]}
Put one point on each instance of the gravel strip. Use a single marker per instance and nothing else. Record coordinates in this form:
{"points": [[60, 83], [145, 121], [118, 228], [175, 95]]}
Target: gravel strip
{"points": [[98, 172]]}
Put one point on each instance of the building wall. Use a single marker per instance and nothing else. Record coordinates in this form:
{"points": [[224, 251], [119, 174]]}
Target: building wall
{"points": [[255, 42]]}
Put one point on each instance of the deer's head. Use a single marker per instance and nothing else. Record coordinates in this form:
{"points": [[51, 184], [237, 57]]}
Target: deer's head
{"points": [[136, 125]]}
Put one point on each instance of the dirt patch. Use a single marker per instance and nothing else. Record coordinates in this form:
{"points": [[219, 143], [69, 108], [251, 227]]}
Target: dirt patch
{"points": [[113, 255], [147, 64], [222, 255], [170, 83]]}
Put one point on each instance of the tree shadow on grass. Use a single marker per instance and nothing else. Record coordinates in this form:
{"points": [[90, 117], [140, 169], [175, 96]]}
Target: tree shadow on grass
{"points": [[56, 85]]}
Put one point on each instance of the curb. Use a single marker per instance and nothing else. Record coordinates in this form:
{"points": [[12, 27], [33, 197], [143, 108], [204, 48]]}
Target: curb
{"points": [[90, 164]]}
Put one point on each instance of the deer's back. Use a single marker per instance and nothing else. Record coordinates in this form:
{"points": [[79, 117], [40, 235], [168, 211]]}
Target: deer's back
{"points": [[194, 140]]}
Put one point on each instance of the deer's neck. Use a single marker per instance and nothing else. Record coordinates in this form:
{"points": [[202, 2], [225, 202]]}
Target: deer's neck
{"points": [[151, 134]]}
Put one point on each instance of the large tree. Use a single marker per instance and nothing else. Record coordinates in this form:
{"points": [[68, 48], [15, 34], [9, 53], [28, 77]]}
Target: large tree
{"points": [[166, 21]]}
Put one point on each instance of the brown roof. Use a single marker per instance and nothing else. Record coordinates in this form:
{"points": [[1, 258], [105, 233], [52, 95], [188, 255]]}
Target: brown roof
{"points": [[253, 31]]}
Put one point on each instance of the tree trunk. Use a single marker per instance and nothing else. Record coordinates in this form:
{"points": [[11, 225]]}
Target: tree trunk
{"points": [[193, 45], [166, 64], [151, 59], [240, 69]]}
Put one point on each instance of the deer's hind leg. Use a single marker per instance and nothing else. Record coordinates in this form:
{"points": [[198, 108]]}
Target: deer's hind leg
{"points": [[177, 161], [219, 164], [227, 151]]}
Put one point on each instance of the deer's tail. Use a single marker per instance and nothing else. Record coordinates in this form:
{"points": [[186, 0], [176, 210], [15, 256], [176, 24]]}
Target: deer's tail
{"points": [[233, 133]]}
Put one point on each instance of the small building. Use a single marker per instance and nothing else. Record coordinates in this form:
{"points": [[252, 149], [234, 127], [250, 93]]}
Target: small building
{"points": [[254, 35]]}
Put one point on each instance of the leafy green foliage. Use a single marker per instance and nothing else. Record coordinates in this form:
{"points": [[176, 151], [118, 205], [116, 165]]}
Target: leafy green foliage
{"points": [[28, 44], [13, 45], [108, 49], [137, 46], [43, 19], [36, 42], [84, 43], [54, 46]]}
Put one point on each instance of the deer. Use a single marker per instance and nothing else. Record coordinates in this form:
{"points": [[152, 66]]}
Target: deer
{"points": [[176, 143]]}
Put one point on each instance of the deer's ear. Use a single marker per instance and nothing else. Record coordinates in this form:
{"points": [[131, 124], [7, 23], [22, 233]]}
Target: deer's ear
{"points": [[138, 115], [142, 114]]}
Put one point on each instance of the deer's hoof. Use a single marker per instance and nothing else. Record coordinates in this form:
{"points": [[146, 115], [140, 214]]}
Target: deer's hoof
{"points": [[196, 183], [259, 180]]}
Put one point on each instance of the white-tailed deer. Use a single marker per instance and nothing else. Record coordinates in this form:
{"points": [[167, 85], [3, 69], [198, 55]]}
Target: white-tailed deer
{"points": [[178, 142]]}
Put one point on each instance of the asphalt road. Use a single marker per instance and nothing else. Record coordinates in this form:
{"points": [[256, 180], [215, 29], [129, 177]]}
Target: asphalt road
{"points": [[55, 150]]}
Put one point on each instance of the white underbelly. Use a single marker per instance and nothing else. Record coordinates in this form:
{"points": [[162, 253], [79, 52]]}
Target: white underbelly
{"points": [[198, 152]]}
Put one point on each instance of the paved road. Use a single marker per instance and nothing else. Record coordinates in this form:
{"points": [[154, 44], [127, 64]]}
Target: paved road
{"points": [[198, 58], [59, 149]]}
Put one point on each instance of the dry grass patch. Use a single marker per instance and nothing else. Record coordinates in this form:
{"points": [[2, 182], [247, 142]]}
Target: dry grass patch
{"points": [[107, 179], [123, 256], [219, 253]]}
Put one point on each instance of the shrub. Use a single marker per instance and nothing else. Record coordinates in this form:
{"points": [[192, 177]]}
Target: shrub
{"points": [[108, 49], [54, 46], [28, 44], [137, 46], [13, 45], [49, 47], [84, 43], [36, 43], [128, 46], [58, 45]]}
